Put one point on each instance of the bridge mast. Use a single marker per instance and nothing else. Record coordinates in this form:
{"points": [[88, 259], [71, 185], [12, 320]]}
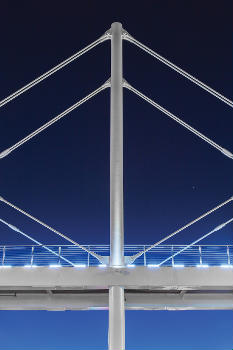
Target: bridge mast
{"points": [[116, 293]]}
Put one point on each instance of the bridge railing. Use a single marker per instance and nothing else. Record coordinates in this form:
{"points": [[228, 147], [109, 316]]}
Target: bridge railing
{"points": [[35, 255]]}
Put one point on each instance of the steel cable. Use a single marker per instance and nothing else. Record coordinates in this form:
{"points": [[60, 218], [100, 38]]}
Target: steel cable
{"points": [[14, 228], [196, 241], [53, 70], [181, 122], [178, 70], [134, 257], [7, 151], [99, 257]]}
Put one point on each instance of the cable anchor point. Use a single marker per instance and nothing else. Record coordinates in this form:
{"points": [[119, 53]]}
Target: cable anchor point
{"points": [[125, 34], [227, 153], [107, 83], [108, 34], [5, 153]]}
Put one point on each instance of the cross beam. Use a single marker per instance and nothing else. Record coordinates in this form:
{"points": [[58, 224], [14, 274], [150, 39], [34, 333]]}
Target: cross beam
{"points": [[164, 288], [62, 300], [138, 278]]}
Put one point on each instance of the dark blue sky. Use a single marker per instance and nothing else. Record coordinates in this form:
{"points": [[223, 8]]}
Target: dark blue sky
{"points": [[62, 176]]}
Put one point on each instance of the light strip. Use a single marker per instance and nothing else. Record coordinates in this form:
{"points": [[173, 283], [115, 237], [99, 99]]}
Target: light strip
{"points": [[227, 266]]}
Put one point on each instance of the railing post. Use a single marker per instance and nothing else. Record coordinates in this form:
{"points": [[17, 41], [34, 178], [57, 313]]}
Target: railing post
{"points": [[3, 255], [200, 252], [144, 255], [228, 256], [173, 263], [59, 253], [32, 257], [88, 257]]}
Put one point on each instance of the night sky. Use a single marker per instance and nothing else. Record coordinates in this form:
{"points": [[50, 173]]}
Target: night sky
{"points": [[170, 175]]}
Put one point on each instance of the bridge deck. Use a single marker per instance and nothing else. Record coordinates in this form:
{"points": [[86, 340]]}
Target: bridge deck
{"points": [[86, 288]]}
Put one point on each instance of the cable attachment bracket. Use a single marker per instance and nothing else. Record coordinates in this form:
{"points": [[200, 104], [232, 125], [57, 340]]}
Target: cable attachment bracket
{"points": [[108, 34], [125, 83], [125, 34], [107, 83]]}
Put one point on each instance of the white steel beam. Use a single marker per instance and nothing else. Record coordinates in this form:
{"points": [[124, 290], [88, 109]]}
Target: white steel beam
{"points": [[136, 278], [99, 301]]}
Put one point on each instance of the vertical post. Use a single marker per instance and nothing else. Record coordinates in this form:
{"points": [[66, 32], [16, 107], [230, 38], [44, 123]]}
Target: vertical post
{"points": [[228, 256], [59, 255], [88, 257], [116, 150], [173, 262], [200, 253], [144, 255], [32, 255], [3, 255], [116, 333]]}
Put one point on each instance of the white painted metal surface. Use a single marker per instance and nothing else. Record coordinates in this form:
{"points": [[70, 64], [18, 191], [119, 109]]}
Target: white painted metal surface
{"points": [[116, 332], [116, 150], [46, 300], [137, 278], [116, 335]]}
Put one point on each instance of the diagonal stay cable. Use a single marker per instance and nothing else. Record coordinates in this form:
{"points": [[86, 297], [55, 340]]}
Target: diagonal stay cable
{"points": [[53, 70], [54, 120], [178, 70], [134, 257], [98, 257], [34, 240], [181, 122], [198, 240]]}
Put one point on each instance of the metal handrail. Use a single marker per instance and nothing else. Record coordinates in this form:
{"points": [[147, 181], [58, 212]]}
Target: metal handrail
{"points": [[20, 255], [107, 245]]}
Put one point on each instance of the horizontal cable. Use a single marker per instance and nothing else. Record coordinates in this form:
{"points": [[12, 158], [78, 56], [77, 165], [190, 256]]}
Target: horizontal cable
{"points": [[181, 122], [198, 240], [134, 257], [99, 257], [178, 70], [53, 70], [54, 120], [127, 246], [34, 240]]}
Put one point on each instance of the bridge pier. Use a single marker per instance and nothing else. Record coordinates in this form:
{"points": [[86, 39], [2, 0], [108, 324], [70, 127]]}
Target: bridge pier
{"points": [[116, 335]]}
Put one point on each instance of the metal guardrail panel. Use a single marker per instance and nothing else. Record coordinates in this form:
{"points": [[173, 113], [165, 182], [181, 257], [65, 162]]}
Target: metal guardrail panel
{"points": [[20, 255]]}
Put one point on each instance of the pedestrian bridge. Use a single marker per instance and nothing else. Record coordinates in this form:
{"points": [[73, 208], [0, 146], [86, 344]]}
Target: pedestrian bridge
{"points": [[33, 278]]}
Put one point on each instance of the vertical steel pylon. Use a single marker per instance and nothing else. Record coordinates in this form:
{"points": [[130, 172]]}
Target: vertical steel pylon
{"points": [[116, 293]]}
